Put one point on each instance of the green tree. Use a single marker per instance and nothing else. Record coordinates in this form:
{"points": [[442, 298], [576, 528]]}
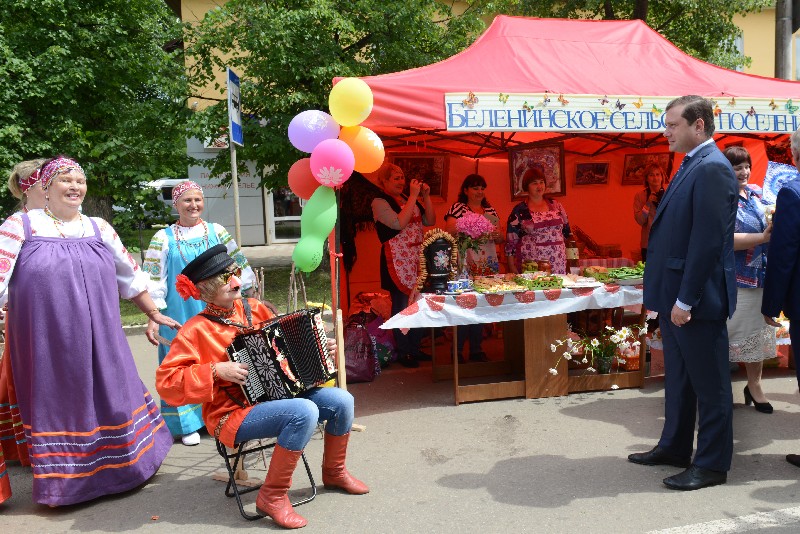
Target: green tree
{"points": [[702, 28], [289, 52], [99, 81]]}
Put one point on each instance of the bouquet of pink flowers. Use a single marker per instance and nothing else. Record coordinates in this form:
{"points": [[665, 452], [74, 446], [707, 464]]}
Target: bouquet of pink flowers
{"points": [[473, 230]]}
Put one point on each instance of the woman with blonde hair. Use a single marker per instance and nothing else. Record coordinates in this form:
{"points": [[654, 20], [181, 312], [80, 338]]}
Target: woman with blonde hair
{"points": [[646, 202]]}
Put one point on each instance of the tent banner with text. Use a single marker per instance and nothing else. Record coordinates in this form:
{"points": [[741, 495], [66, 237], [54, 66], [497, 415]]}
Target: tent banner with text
{"points": [[551, 112]]}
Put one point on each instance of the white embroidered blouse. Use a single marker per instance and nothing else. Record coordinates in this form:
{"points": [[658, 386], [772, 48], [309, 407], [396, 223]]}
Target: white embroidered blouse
{"points": [[130, 279], [155, 259]]}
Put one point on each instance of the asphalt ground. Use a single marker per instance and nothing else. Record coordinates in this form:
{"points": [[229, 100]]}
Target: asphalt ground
{"points": [[553, 465]]}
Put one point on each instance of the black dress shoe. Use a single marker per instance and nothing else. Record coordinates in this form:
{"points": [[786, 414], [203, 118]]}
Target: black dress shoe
{"points": [[407, 360], [793, 459], [658, 456], [478, 357], [695, 478], [763, 407], [422, 357]]}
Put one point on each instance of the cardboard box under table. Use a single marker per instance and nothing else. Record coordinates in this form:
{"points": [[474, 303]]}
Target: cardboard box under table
{"points": [[532, 321]]}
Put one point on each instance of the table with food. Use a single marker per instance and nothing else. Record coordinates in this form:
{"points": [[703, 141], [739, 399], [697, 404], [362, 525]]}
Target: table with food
{"points": [[533, 305]]}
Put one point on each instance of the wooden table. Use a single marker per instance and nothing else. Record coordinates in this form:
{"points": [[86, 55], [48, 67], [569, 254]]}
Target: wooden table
{"points": [[536, 319]]}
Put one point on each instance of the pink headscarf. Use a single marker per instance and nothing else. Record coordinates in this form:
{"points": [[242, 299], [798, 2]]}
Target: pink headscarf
{"points": [[181, 188], [60, 165]]}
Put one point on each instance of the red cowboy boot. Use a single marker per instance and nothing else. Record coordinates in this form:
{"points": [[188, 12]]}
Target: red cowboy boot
{"points": [[334, 473], [272, 499]]}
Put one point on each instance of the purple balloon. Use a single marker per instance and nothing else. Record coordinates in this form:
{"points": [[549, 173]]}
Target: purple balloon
{"points": [[310, 128]]}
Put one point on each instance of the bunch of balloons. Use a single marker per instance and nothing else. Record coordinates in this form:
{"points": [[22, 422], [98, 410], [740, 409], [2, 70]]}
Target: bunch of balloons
{"points": [[338, 146]]}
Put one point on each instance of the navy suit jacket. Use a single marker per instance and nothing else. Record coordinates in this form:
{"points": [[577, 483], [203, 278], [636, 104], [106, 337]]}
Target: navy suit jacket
{"points": [[782, 282], [690, 250]]}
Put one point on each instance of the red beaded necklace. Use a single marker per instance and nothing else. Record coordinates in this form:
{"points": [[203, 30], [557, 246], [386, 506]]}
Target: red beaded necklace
{"points": [[179, 238], [58, 223]]}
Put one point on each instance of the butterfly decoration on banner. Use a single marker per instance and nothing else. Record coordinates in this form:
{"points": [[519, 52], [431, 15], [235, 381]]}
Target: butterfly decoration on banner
{"points": [[656, 110], [638, 104], [526, 107], [544, 101], [717, 110], [563, 100], [791, 108], [619, 105], [503, 98], [732, 102], [772, 105], [751, 111], [603, 101], [470, 101]]}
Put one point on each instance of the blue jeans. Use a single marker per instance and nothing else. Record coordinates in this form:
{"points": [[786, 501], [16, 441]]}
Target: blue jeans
{"points": [[293, 421]]}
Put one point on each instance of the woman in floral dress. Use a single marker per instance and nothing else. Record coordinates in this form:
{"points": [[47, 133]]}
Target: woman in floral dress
{"points": [[537, 227]]}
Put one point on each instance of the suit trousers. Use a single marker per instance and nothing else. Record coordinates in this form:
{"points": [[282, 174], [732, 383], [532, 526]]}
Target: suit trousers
{"points": [[697, 383], [794, 337]]}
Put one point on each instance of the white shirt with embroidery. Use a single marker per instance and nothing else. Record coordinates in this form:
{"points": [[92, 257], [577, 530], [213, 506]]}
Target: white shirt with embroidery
{"points": [[155, 259], [130, 279]]}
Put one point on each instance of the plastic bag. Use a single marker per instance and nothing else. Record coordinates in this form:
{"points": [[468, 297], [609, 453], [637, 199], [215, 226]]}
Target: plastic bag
{"points": [[383, 340], [361, 362]]}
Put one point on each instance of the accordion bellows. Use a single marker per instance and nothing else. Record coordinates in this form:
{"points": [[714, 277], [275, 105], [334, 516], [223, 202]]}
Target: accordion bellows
{"points": [[286, 357]]}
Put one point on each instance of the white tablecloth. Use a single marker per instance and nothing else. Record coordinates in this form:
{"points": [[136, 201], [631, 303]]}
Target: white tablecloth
{"points": [[473, 308]]}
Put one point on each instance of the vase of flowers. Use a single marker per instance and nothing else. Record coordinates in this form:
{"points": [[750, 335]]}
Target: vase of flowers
{"points": [[473, 231], [600, 351]]}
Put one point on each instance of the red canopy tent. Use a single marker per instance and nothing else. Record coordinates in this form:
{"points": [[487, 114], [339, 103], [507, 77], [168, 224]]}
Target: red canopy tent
{"points": [[583, 62]]}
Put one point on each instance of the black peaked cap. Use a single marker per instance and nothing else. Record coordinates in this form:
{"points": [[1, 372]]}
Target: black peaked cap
{"points": [[210, 263]]}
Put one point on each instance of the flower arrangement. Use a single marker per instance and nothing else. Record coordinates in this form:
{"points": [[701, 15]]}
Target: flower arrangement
{"points": [[599, 351], [473, 231]]}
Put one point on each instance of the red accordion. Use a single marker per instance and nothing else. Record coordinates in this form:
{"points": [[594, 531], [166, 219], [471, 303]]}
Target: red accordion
{"points": [[286, 357]]}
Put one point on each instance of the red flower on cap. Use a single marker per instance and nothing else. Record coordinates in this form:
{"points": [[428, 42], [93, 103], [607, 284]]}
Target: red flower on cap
{"points": [[186, 288]]}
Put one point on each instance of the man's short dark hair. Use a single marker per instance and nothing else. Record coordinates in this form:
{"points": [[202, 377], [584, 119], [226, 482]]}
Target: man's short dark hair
{"points": [[696, 107]]}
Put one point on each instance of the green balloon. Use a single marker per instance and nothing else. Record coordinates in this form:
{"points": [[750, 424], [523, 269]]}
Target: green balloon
{"points": [[319, 213], [307, 253]]}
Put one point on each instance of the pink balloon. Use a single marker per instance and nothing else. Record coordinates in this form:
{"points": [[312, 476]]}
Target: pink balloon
{"points": [[332, 162], [301, 181]]}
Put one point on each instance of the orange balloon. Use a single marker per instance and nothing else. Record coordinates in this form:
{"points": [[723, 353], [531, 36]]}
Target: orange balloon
{"points": [[367, 147], [301, 181]]}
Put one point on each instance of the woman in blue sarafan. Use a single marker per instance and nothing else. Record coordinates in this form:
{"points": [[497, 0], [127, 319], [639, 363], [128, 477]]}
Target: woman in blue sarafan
{"points": [[171, 249]]}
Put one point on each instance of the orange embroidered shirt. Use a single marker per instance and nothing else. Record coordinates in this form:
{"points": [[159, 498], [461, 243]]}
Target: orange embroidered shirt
{"points": [[184, 377]]}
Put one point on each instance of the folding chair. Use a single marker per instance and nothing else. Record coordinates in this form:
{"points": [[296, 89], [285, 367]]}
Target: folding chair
{"points": [[237, 456]]}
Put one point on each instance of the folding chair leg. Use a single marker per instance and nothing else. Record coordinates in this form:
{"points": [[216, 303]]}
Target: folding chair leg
{"points": [[234, 490]]}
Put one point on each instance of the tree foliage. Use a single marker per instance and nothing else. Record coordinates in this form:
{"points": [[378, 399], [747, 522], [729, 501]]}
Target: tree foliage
{"points": [[92, 79], [289, 52], [702, 28]]}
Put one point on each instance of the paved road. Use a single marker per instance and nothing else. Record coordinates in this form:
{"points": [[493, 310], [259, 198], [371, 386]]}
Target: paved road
{"points": [[550, 465]]}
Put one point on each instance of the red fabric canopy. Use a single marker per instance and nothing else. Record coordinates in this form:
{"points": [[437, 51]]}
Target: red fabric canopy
{"points": [[529, 55]]}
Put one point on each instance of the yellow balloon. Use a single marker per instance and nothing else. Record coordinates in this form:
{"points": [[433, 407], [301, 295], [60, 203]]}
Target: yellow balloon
{"points": [[350, 101]]}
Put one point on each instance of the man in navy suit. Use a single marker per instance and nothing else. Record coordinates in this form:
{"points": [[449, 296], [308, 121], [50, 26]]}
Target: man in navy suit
{"points": [[689, 280], [782, 281]]}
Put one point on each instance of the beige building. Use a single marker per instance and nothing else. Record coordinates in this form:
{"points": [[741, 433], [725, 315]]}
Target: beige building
{"points": [[758, 42]]}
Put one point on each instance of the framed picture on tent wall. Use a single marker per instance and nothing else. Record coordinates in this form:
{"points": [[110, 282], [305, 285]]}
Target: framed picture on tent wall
{"points": [[591, 173], [547, 158], [636, 164], [425, 167]]}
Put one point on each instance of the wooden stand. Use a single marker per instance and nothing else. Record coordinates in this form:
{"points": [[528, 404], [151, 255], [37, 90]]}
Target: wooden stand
{"points": [[527, 364]]}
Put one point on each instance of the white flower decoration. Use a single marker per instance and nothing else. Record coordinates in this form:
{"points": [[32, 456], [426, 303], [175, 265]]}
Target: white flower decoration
{"points": [[330, 176], [552, 348], [567, 356], [614, 386], [553, 371]]}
